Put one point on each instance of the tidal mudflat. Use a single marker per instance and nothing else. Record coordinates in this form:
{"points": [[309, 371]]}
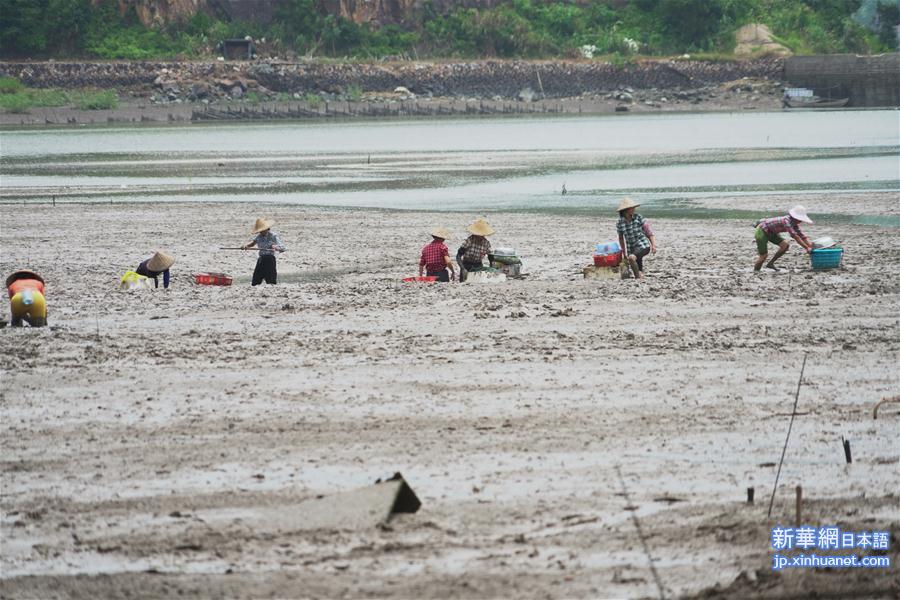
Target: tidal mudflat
{"points": [[139, 430]]}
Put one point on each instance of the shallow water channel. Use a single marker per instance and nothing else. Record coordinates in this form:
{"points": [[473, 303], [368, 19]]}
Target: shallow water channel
{"points": [[471, 164]]}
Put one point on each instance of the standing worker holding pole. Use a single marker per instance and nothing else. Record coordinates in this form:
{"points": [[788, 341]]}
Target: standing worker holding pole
{"points": [[268, 243]]}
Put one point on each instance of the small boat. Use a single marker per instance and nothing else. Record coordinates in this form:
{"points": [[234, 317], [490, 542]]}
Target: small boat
{"points": [[815, 102]]}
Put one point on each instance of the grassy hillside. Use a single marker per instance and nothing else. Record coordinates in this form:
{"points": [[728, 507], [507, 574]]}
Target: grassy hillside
{"points": [[516, 28]]}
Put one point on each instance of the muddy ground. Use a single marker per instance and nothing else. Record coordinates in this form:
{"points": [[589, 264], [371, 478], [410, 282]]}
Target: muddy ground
{"points": [[562, 433]]}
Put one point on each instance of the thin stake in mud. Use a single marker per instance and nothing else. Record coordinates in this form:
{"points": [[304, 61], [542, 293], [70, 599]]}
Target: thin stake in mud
{"points": [[788, 437], [640, 532]]}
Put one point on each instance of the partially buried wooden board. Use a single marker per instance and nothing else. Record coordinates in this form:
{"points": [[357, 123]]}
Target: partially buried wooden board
{"points": [[362, 508]]}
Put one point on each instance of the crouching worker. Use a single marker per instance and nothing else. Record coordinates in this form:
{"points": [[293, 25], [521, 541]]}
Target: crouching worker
{"points": [[268, 243], [475, 248], [635, 236], [156, 265], [435, 258], [770, 230], [26, 298]]}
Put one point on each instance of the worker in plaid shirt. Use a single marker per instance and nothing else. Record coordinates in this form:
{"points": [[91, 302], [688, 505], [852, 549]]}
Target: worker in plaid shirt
{"points": [[475, 248], [635, 236], [435, 258], [770, 230]]}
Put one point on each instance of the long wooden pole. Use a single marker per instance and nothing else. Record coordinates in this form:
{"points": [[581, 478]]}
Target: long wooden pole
{"points": [[253, 248], [788, 437]]}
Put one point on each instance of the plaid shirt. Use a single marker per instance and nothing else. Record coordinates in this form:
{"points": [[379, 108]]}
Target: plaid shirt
{"points": [[783, 224], [476, 247], [265, 242], [433, 257], [633, 232]]}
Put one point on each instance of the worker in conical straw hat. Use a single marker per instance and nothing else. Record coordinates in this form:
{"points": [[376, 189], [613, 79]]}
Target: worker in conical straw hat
{"points": [[435, 257], [635, 236], [268, 243], [475, 248], [156, 265], [772, 231]]}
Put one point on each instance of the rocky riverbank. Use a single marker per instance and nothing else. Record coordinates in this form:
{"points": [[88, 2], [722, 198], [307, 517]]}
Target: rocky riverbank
{"points": [[182, 91]]}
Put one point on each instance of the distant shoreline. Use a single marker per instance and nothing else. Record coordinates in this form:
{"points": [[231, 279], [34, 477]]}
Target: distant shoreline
{"points": [[136, 113], [190, 91]]}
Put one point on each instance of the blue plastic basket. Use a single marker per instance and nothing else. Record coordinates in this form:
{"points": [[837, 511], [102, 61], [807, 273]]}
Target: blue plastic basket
{"points": [[827, 258]]}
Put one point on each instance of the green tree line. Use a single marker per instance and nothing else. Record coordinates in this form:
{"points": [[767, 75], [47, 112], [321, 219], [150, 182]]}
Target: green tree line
{"points": [[512, 29]]}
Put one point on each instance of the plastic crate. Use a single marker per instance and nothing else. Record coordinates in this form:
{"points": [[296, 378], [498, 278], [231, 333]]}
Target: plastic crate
{"points": [[609, 247], [826, 258], [213, 279], [607, 260]]}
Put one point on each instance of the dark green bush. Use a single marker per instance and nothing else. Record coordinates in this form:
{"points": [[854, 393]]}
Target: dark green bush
{"points": [[511, 28]]}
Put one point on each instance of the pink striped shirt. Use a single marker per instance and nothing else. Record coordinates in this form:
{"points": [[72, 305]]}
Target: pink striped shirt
{"points": [[783, 224]]}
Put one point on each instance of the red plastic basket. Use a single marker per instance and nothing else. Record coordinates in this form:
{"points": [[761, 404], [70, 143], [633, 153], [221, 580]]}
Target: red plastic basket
{"points": [[213, 279], [428, 279], [607, 260]]}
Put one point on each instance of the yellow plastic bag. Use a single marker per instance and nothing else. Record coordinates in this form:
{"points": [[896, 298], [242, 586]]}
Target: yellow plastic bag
{"points": [[133, 281]]}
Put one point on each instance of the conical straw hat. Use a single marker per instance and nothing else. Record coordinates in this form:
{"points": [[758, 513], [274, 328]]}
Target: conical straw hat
{"points": [[160, 261], [23, 274], [626, 203], [440, 232], [799, 213], [262, 225], [480, 227]]}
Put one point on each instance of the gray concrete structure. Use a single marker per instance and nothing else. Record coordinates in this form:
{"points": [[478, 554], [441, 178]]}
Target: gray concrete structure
{"points": [[866, 80]]}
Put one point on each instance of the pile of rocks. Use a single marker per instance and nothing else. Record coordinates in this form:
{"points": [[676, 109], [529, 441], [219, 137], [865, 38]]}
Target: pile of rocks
{"points": [[751, 88]]}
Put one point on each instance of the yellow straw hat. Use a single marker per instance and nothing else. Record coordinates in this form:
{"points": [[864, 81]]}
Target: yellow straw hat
{"points": [[480, 227], [627, 203], [262, 225], [160, 261], [440, 232]]}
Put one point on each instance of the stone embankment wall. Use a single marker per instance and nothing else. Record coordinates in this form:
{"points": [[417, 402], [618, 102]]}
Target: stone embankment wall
{"points": [[507, 79], [866, 80]]}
